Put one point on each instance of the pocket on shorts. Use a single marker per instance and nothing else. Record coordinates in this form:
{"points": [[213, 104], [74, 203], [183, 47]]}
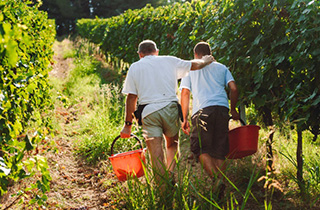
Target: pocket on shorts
{"points": [[194, 142]]}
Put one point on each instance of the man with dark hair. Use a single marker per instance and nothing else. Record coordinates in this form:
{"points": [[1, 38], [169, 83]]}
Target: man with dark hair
{"points": [[152, 81], [210, 113], [147, 47]]}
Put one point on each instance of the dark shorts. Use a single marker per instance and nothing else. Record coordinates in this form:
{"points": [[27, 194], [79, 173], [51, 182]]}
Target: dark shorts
{"points": [[210, 132]]}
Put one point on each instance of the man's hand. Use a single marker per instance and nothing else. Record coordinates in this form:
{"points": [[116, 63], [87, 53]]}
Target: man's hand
{"points": [[185, 126], [208, 59], [197, 64], [235, 114], [125, 132]]}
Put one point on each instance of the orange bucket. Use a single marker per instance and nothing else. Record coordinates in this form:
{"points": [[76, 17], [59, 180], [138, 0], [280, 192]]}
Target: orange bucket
{"points": [[128, 164], [243, 141]]}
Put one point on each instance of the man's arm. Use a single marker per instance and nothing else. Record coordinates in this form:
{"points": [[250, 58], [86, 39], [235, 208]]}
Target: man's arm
{"points": [[185, 100], [131, 102], [233, 100], [200, 63]]}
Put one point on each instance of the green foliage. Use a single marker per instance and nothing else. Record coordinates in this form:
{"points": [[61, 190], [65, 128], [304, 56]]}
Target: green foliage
{"points": [[189, 191], [288, 166], [101, 119], [167, 26], [94, 87], [270, 47], [26, 38], [102, 124], [272, 54]]}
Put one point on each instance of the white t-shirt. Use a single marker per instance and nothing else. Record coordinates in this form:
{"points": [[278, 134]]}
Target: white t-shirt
{"points": [[208, 86], [154, 80]]}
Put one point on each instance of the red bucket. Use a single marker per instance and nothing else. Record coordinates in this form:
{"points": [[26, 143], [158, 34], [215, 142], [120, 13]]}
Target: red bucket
{"points": [[243, 141], [128, 164]]}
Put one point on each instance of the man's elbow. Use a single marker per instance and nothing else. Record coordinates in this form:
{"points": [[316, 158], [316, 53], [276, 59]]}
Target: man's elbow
{"points": [[234, 90], [185, 92], [232, 86], [131, 97]]}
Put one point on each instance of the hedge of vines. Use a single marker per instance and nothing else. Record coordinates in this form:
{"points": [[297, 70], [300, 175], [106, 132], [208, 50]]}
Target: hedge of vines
{"points": [[272, 49], [168, 26], [26, 39]]}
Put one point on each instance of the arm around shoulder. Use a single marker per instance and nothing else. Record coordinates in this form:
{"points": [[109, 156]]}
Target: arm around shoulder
{"points": [[197, 64]]}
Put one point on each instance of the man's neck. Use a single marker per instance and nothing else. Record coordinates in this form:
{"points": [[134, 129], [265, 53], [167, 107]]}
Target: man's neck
{"points": [[144, 55]]}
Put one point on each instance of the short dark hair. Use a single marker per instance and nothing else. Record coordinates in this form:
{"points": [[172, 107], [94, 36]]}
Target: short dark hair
{"points": [[202, 48], [147, 47]]}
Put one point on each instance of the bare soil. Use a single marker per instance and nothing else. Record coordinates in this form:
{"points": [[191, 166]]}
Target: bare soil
{"points": [[61, 66], [75, 184]]}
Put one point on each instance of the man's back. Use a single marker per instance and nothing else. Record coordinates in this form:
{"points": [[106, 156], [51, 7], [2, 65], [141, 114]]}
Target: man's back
{"points": [[155, 78], [208, 86]]}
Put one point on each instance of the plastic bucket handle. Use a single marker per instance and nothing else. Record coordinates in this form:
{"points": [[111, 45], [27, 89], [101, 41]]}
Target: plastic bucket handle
{"points": [[118, 137], [242, 122]]}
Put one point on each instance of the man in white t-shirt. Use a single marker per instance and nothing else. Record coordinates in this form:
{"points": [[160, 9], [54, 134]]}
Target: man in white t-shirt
{"points": [[210, 113], [152, 81]]}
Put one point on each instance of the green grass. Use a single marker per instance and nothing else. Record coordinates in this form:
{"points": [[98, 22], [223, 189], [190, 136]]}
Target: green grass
{"points": [[69, 53], [94, 90], [192, 190], [94, 95]]}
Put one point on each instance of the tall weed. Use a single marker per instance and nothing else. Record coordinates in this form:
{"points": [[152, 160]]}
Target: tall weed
{"points": [[92, 89], [190, 191], [311, 171], [100, 125]]}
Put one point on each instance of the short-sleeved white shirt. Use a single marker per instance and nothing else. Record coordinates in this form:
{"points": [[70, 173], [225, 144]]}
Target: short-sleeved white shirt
{"points": [[154, 80], [208, 86]]}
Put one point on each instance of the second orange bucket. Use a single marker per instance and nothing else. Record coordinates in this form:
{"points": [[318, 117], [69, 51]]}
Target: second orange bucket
{"points": [[243, 141]]}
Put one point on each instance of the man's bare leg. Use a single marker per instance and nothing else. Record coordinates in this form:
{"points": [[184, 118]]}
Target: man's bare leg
{"points": [[172, 144], [208, 164], [213, 166], [220, 166], [154, 146]]}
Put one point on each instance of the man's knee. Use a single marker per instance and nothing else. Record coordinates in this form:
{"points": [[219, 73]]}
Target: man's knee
{"points": [[154, 145], [172, 141]]}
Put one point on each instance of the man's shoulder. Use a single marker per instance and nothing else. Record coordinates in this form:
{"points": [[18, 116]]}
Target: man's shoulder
{"points": [[219, 65], [167, 57], [135, 64], [214, 67], [166, 60]]}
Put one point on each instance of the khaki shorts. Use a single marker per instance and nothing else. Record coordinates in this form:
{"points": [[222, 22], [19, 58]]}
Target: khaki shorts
{"points": [[164, 121]]}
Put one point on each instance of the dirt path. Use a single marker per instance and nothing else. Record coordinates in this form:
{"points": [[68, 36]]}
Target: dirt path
{"points": [[74, 185], [61, 65]]}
